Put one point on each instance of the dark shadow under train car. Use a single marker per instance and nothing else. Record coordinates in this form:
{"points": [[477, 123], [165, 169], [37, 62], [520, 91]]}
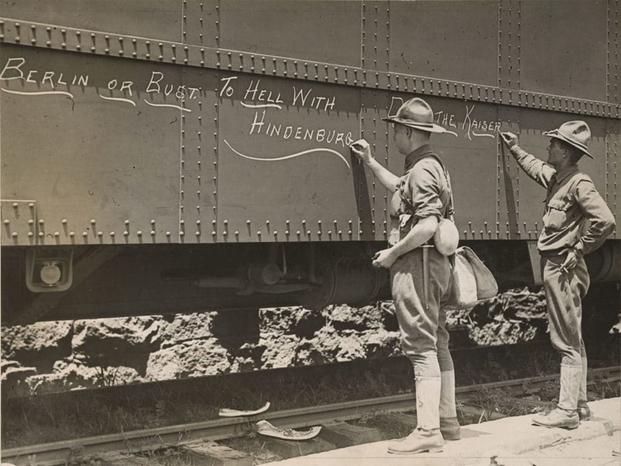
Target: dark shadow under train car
{"points": [[114, 281], [180, 155]]}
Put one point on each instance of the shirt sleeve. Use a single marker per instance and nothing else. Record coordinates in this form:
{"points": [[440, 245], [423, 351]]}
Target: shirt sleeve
{"points": [[537, 169], [601, 221], [425, 188]]}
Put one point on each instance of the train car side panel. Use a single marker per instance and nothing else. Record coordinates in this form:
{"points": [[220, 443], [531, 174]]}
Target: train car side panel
{"points": [[285, 172], [434, 38], [301, 30], [573, 60], [159, 19]]}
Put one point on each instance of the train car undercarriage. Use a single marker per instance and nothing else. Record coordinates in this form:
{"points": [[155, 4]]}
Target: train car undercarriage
{"points": [[57, 283]]}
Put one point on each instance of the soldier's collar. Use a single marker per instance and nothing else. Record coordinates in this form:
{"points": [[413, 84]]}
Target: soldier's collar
{"points": [[562, 175], [416, 155]]}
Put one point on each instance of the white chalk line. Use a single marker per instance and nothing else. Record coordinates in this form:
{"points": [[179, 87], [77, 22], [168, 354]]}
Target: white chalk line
{"points": [[167, 105], [118, 99], [291, 156], [68, 94], [452, 133], [261, 105], [481, 134]]}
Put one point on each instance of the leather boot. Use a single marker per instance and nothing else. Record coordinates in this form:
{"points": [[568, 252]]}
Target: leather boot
{"points": [[419, 441], [566, 414], [584, 412], [449, 426], [450, 429], [558, 417], [427, 436]]}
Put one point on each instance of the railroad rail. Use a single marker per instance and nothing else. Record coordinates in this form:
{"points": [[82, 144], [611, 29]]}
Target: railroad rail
{"points": [[133, 442]]}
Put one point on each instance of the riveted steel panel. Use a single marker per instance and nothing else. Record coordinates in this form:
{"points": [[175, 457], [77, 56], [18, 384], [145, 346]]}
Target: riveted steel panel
{"points": [[284, 168], [374, 107], [160, 19], [201, 22], [613, 156], [567, 56], [469, 147], [100, 43], [326, 31], [450, 40], [531, 195], [199, 148], [19, 222], [469, 151], [376, 35], [509, 38], [613, 77], [104, 160], [508, 179]]}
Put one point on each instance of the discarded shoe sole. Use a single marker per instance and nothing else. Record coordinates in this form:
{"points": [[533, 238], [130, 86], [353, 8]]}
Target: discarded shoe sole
{"points": [[265, 428], [226, 412]]}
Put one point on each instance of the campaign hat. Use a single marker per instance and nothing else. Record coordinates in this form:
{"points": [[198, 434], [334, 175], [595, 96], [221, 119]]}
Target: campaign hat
{"points": [[416, 113], [576, 133]]}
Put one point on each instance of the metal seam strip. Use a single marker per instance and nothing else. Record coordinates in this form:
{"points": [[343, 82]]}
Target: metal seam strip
{"points": [[156, 51], [168, 52]]}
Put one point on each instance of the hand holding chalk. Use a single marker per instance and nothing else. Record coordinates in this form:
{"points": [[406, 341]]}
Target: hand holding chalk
{"points": [[509, 139], [362, 150]]}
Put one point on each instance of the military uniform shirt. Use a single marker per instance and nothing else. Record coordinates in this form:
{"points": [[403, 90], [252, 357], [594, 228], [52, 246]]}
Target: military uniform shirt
{"points": [[575, 214], [422, 192]]}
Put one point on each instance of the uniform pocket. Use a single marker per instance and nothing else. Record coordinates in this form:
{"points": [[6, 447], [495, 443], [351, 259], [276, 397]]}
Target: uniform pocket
{"points": [[555, 216]]}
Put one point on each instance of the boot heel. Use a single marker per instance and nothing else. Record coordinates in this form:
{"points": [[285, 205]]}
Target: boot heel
{"points": [[436, 450]]}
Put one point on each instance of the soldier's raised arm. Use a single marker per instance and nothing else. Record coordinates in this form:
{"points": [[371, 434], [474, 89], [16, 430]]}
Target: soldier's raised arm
{"points": [[362, 149], [537, 169]]}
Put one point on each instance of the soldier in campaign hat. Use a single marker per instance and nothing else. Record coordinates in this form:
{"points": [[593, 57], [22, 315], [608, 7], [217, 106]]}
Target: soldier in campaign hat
{"points": [[420, 271], [576, 221]]}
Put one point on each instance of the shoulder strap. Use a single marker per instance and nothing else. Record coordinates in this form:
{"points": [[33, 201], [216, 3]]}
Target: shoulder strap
{"points": [[450, 211], [576, 179], [451, 207]]}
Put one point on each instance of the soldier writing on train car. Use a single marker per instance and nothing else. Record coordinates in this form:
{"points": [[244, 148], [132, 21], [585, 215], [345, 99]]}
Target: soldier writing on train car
{"points": [[420, 274], [576, 222]]}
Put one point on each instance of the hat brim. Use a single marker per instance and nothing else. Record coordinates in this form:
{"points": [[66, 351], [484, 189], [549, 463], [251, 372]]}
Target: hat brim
{"points": [[555, 134], [429, 127]]}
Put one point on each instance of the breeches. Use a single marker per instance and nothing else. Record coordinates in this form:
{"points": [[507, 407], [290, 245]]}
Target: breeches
{"points": [[564, 293], [424, 338]]}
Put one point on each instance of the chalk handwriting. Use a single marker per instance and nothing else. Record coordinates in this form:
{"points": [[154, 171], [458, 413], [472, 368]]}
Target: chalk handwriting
{"points": [[118, 99], [14, 69], [472, 124], [179, 91], [466, 125], [263, 96], [290, 156], [122, 91], [10, 91], [227, 89], [317, 102], [330, 136], [257, 95], [167, 105], [262, 99]]}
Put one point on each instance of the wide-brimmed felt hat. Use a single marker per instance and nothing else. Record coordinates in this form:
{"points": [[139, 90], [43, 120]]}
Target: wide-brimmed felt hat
{"points": [[416, 113], [577, 133]]}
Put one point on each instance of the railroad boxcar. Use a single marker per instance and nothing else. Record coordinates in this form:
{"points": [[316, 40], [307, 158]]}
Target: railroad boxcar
{"points": [[183, 155]]}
